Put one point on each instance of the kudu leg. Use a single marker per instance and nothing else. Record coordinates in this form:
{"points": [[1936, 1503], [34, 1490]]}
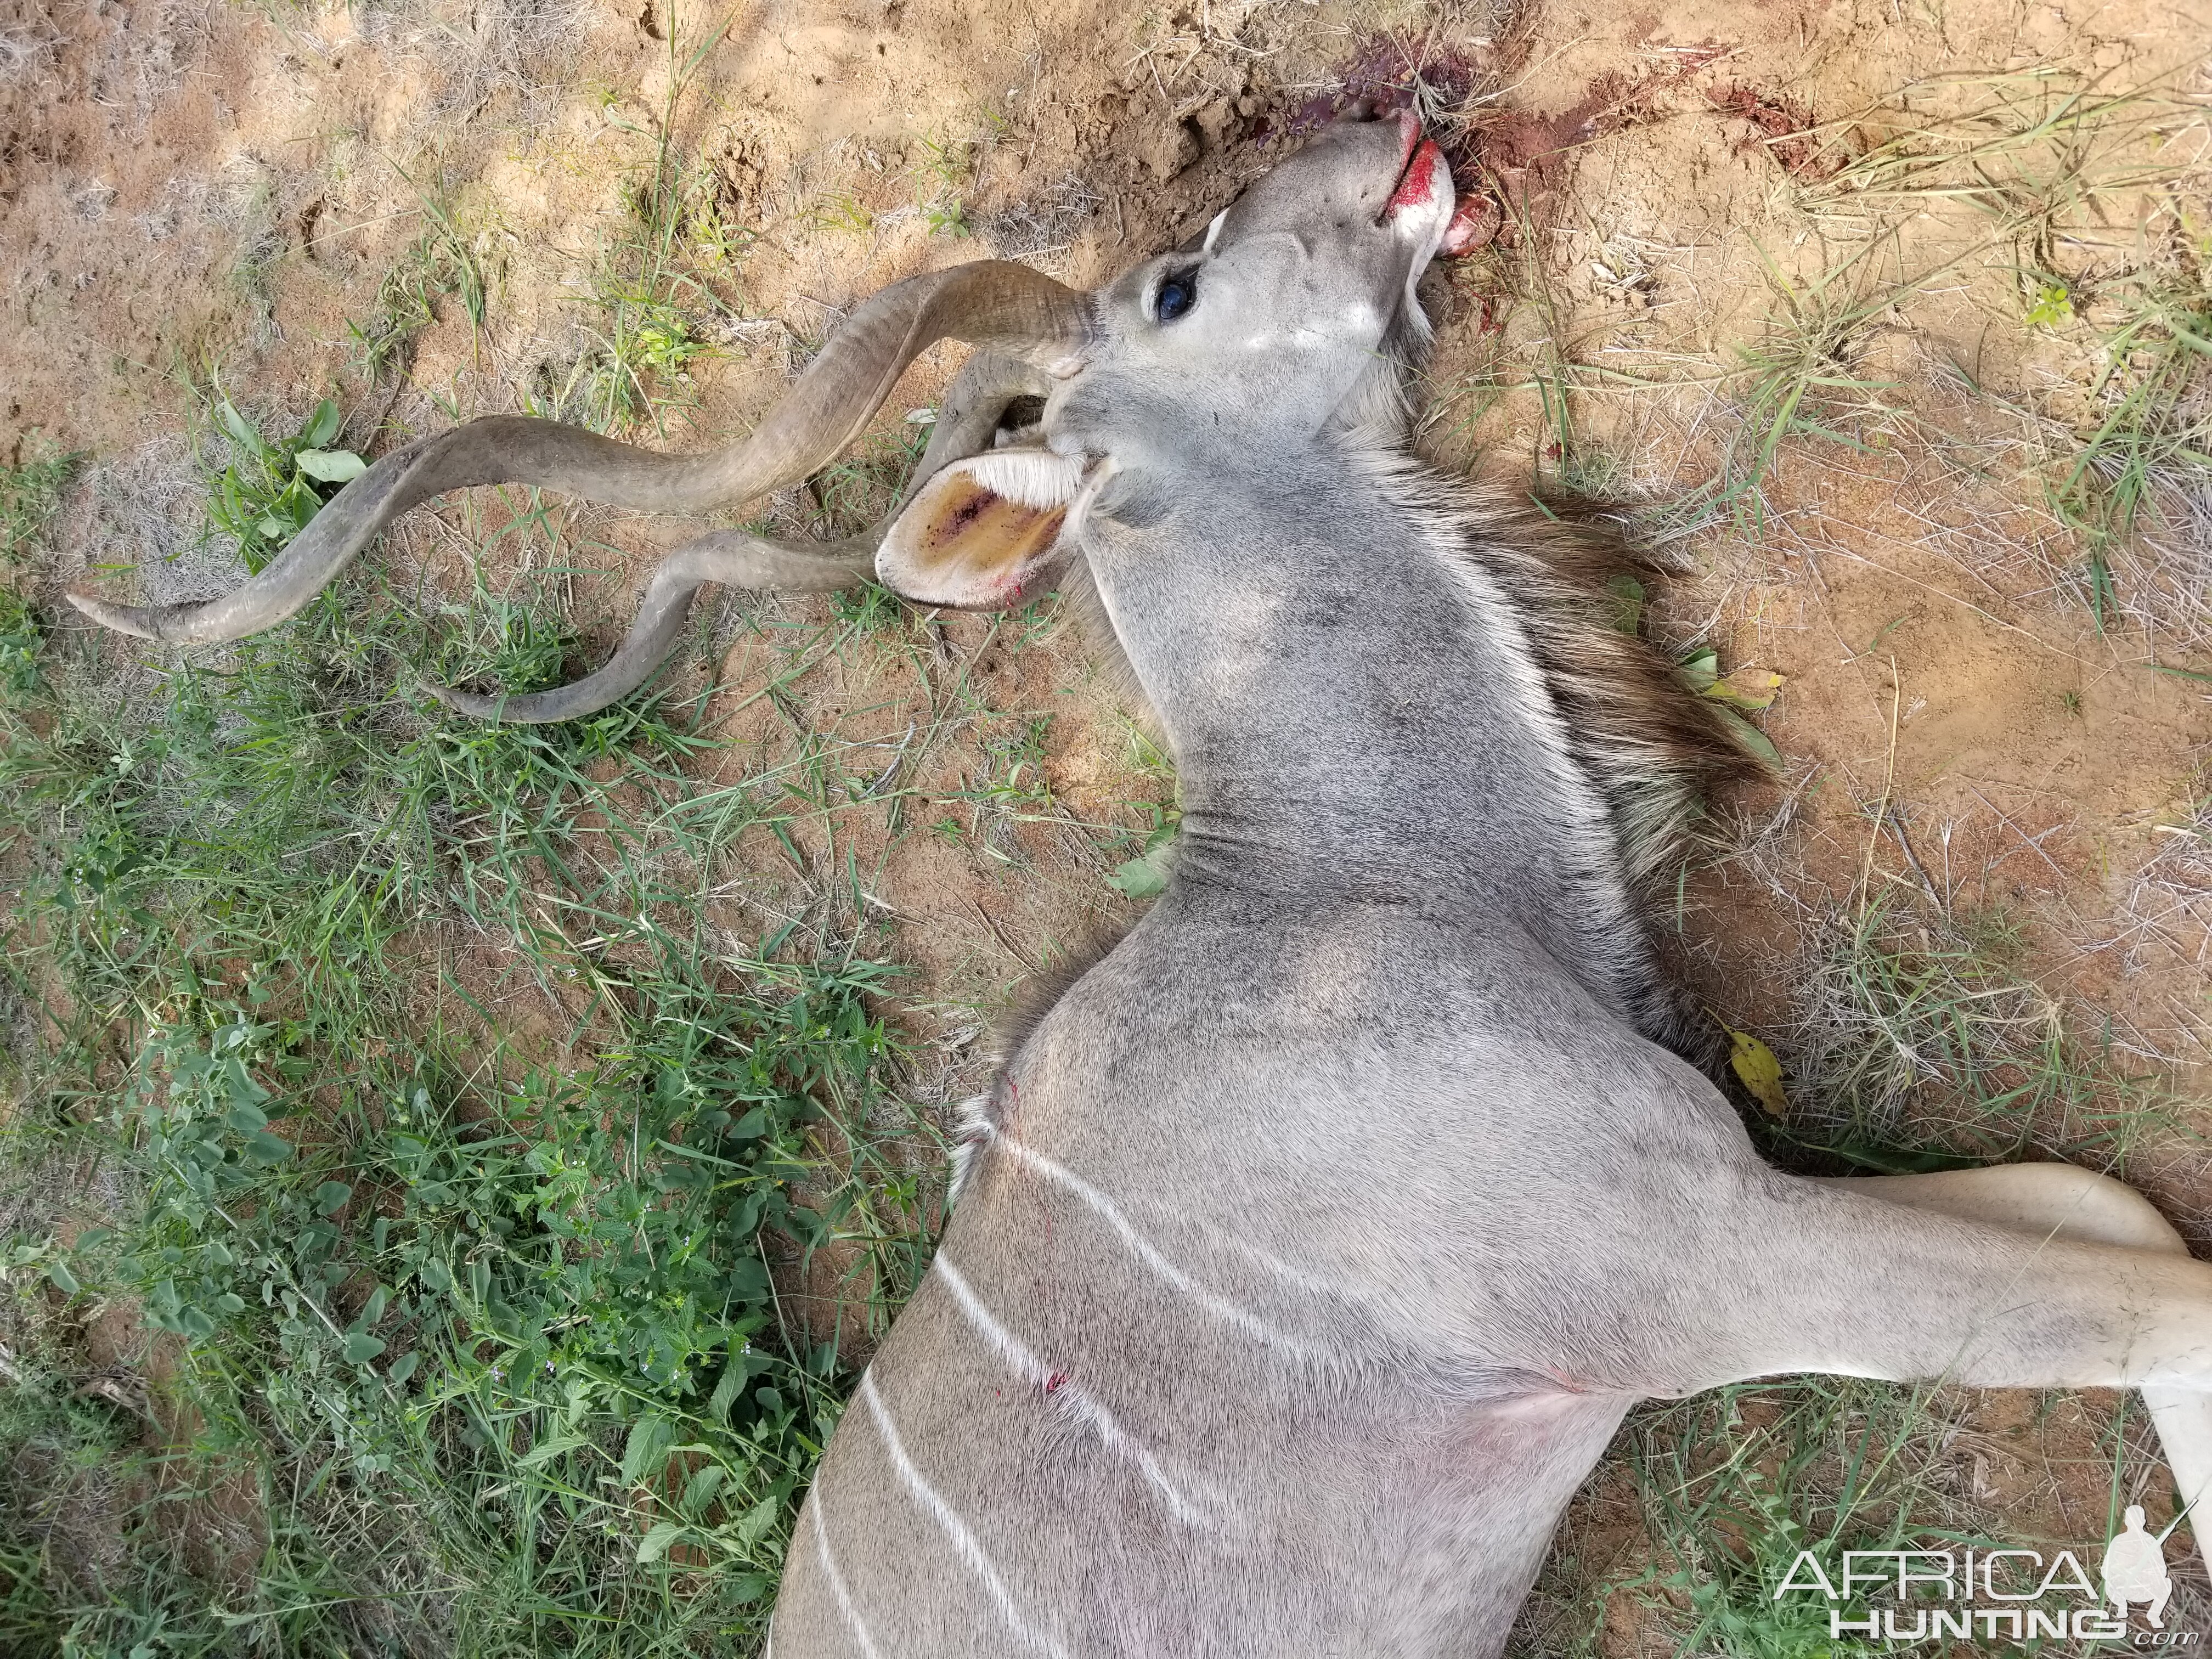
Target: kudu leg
{"points": [[2034, 1276], [1775, 1274], [1795, 1275], [2058, 1200]]}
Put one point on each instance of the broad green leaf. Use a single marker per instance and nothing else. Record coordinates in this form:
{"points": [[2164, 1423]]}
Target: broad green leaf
{"points": [[1751, 738], [361, 1347], [657, 1541], [727, 1390], [330, 1197], [547, 1450], [247, 434], [747, 1280], [330, 465], [651, 1438], [63, 1280], [700, 1490], [757, 1520], [239, 1084], [322, 425], [1139, 878], [1701, 666], [2053, 305], [265, 1148]]}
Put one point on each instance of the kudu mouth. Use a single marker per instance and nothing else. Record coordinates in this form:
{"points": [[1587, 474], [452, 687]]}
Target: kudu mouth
{"points": [[1002, 308], [1412, 159], [1424, 174]]}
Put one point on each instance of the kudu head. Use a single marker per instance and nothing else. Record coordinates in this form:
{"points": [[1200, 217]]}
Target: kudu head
{"points": [[1293, 299], [1265, 331], [1292, 316]]}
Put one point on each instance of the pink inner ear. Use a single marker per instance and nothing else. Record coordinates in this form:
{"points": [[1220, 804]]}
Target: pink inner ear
{"points": [[963, 544]]}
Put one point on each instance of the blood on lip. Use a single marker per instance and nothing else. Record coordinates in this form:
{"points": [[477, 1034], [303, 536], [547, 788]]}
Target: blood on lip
{"points": [[1418, 185]]}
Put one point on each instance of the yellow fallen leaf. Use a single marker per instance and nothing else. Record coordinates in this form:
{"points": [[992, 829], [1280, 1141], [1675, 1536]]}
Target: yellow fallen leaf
{"points": [[1755, 1062], [1747, 688]]}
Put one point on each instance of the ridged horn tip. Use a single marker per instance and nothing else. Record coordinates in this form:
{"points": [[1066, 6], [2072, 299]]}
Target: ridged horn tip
{"points": [[131, 619]]}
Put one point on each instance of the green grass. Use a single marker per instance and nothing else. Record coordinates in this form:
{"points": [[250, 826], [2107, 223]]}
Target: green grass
{"points": [[1999, 182], [654, 282], [443, 263], [30, 492], [485, 1339], [2149, 437], [1797, 383], [1800, 383], [1734, 1483], [1917, 1034], [2046, 160], [484, 1144], [943, 174]]}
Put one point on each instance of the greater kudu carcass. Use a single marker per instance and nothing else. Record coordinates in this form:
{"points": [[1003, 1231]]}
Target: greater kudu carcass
{"points": [[1311, 1245]]}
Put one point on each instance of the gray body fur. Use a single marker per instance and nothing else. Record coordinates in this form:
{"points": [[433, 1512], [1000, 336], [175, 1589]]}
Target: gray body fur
{"points": [[1314, 1243]]}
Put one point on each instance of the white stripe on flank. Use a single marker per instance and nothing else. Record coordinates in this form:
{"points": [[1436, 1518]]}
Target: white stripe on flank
{"points": [[1313, 1283], [964, 1541], [1038, 1374], [1220, 1307], [854, 1622]]}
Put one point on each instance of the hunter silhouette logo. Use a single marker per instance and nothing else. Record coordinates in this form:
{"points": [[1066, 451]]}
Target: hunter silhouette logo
{"points": [[2135, 1570]]}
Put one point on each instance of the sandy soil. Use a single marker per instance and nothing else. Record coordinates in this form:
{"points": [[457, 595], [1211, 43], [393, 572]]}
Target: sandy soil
{"points": [[194, 189]]}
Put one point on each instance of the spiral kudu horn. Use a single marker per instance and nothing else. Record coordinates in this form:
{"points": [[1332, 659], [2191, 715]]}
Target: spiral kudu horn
{"points": [[1008, 308]]}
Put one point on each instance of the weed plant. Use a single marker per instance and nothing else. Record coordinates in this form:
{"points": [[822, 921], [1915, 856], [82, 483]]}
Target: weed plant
{"points": [[483, 1344], [30, 491]]}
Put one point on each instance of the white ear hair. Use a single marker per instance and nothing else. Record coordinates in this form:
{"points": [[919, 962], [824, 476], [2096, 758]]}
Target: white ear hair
{"points": [[1213, 231], [1033, 477]]}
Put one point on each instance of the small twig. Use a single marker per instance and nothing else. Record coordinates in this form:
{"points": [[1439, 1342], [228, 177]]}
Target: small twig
{"points": [[2033, 843], [1006, 944], [1896, 823], [1888, 777]]}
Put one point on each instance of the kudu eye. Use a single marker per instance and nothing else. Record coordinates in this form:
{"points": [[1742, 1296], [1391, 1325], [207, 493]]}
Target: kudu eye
{"points": [[1177, 293]]}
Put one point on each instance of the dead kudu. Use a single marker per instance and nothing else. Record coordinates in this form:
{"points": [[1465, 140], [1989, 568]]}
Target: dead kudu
{"points": [[1310, 1246]]}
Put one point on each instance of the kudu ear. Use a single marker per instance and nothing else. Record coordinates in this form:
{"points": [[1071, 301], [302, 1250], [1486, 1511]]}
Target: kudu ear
{"points": [[976, 535]]}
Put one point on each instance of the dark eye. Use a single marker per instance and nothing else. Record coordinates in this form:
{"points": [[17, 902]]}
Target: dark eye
{"points": [[1177, 294]]}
